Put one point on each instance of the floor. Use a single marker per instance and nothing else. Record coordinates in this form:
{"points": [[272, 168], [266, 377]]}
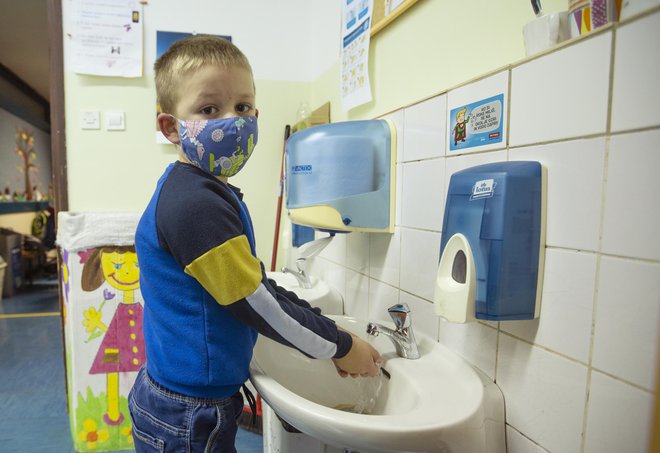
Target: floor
{"points": [[33, 413]]}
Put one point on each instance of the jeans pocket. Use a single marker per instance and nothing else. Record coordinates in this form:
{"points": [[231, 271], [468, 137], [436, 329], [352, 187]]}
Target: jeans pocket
{"points": [[144, 442]]}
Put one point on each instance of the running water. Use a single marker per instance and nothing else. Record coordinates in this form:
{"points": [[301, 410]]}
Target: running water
{"points": [[368, 392]]}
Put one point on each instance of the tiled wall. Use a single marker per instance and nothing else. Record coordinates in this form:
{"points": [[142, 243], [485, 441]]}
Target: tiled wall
{"points": [[581, 377]]}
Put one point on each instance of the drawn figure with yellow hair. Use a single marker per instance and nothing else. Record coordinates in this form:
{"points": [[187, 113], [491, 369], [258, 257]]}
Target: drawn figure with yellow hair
{"points": [[122, 348], [461, 123]]}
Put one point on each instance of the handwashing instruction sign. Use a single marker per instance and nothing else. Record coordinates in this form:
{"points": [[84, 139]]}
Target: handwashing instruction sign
{"points": [[356, 29], [476, 124]]}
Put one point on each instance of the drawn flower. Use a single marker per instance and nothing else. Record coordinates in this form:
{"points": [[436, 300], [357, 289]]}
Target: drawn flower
{"points": [[128, 432], [107, 294], [92, 435], [92, 320]]}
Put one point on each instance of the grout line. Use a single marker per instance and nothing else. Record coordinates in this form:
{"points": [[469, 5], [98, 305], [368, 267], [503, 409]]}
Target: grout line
{"points": [[507, 423], [610, 91], [30, 315], [599, 255]]}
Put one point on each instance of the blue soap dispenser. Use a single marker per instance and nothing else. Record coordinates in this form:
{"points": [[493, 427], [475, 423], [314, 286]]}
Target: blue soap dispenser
{"points": [[493, 243]]}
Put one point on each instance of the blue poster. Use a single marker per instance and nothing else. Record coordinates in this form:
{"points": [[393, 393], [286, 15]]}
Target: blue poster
{"points": [[476, 124]]}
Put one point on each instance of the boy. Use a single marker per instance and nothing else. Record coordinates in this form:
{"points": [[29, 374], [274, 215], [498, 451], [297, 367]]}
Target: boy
{"points": [[205, 293]]}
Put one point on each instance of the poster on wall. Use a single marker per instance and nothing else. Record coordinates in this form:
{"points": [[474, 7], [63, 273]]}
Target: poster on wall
{"points": [[106, 37], [164, 39], [476, 124], [356, 28]]}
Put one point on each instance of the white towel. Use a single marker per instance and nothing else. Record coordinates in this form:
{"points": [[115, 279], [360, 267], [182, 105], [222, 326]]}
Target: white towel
{"points": [[84, 230]]}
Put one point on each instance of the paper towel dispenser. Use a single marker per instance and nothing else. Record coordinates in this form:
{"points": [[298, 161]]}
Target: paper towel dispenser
{"points": [[341, 176], [493, 243]]}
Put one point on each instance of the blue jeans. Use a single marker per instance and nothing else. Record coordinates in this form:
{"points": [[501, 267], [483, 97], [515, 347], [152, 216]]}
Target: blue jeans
{"points": [[165, 421]]}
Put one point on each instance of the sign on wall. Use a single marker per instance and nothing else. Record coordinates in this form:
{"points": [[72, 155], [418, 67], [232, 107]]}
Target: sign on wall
{"points": [[106, 37]]}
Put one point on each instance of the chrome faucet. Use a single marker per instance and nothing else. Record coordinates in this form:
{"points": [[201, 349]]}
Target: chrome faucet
{"points": [[402, 337], [300, 274], [307, 250]]}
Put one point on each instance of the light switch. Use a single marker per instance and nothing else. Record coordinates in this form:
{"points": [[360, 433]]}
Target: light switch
{"points": [[114, 121], [90, 119]]}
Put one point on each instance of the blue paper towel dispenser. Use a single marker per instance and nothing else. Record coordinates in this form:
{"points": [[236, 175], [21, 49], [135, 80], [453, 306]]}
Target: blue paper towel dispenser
{"points": [[341, 176], [493, 243]]}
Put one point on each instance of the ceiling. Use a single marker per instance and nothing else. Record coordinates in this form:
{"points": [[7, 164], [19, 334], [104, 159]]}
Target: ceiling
{"points": [[24, 42]]}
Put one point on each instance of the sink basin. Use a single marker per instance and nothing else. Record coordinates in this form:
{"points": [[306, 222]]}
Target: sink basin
{"points": [[437, 403], [319, 295]]}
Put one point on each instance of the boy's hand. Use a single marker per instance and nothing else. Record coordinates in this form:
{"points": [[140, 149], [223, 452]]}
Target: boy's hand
{"points": [[361, 360]]}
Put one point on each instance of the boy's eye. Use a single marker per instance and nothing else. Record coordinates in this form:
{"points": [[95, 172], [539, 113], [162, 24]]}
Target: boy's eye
{"points": [[209, 110], [117, 265], [243, 108]]}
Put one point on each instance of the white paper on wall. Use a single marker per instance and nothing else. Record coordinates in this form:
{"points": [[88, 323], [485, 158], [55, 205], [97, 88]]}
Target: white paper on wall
{"points": [[356, 28], [106, 37]]}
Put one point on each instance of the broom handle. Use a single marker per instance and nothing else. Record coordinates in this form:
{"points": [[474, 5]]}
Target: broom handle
{"points": [[278, 215]]}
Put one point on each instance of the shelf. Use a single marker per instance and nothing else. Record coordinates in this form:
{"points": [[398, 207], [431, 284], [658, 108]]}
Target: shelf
{"points": [[380, 20], [22, 206]]}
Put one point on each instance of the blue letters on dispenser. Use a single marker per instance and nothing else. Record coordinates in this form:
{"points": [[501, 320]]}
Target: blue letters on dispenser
{"points": [[340, 176], [493, 243]]}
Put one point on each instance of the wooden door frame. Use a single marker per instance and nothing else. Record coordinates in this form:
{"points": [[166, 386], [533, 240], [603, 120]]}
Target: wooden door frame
{"points": [[57, 118]]}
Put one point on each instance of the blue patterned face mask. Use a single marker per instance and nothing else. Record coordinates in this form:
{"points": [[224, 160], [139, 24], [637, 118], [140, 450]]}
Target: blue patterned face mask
{"points": [[219, 146]]}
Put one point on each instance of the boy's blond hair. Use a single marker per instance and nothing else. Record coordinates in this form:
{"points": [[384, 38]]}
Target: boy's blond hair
{"points": [[189, 54]]}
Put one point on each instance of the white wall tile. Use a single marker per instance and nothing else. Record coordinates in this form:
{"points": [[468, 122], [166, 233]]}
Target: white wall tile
{"points": [[488, 87], [627, 320], [336, 250], [425, 129], [420, 251], [575, 190], [357, 251], [381, 297], [331, 273], [632, 201], [545, 394], [474, 341], [385, 257], [618, 417], [423, 194], [356, 299], [399, 194], [423, 315], [564, 324], [563, 94], [517, 443], [635, 94]]}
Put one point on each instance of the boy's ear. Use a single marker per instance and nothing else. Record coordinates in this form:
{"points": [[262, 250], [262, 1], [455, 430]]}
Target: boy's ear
{"points": [[167, 126], [256, 113]]}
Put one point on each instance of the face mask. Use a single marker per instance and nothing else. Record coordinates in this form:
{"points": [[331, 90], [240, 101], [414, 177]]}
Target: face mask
{"points": [[220, 146]]}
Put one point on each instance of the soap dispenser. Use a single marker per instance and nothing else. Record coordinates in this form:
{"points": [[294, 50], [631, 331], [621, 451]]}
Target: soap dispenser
{"points": [[493, 243]]}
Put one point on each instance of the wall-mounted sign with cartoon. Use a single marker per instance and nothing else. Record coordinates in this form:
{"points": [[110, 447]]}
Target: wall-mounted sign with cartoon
{"points": [[476, 124]]}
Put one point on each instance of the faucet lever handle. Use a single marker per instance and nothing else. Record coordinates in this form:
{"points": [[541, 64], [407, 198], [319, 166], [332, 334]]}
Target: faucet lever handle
{"points": [[400, 314], [301, 264]]}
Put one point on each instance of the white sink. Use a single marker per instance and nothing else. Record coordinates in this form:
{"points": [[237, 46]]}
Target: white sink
{"points": [[319, 295], [437, 403]]}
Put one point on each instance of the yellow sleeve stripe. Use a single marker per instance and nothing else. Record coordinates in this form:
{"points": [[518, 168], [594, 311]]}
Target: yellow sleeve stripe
{"points": [[228, 272]]}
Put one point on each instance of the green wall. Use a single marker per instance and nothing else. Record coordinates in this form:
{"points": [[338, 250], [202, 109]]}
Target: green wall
{"points": [[435, 45]]}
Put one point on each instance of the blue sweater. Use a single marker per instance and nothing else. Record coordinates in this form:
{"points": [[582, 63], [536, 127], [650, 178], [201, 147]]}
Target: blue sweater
{"points": [[206, 295]]}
